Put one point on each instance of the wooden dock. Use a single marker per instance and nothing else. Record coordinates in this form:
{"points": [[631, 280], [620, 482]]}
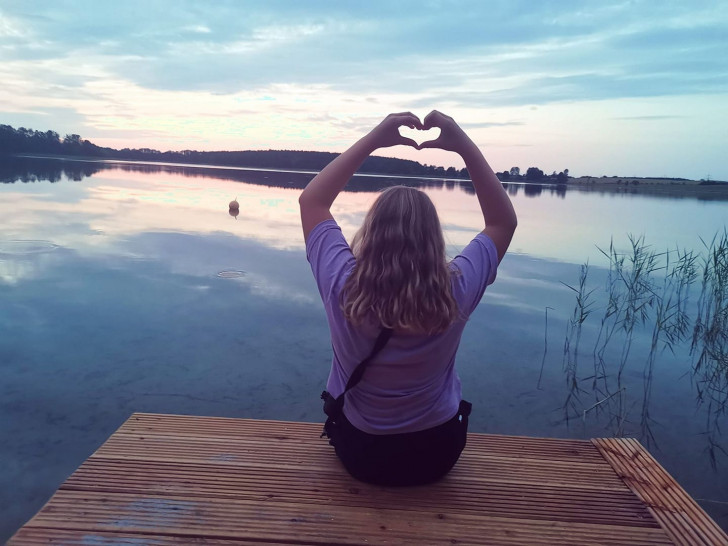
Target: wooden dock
{"points": [[171, 479]]}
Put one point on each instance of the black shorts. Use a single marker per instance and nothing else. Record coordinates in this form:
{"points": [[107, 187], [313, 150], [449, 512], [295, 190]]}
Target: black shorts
{"points": [[412, 458]]}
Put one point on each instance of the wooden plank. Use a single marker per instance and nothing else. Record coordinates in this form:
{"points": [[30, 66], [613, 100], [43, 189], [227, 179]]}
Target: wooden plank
{"points": [[683, 519], [169, 479], [254, 452], [326, 524], [230, 428], [64, 537], [481, 447], [534, 501], [492, 472]]}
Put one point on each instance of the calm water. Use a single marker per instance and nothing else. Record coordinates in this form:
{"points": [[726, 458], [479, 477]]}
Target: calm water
{"points": [[129, 288]]}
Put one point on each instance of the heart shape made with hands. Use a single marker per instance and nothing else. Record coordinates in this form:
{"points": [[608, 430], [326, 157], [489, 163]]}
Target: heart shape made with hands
{"points": [[420, 136]]}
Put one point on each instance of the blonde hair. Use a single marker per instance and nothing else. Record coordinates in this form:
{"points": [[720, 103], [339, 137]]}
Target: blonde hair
{"points": [[401, 278]]}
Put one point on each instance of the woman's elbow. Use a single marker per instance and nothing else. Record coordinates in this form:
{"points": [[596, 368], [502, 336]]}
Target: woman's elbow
{"points": [[305, 200], [509, 224]]}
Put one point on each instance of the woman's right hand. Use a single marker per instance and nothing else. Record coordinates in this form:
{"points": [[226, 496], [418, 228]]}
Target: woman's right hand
{"points": [[452, 138], [498, 214]]}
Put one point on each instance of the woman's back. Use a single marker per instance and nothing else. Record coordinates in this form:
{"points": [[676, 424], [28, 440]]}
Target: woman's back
{"points": [[411, 385]]}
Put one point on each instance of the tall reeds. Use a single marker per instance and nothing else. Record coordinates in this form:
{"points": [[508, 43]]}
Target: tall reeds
{"points": [[709, 347], [581, 312], [647, 298]]}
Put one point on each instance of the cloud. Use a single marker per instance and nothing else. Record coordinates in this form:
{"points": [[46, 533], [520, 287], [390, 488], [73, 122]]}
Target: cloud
{"points": [[487, 124], [62, 120], [580, 87], [647, 118], [197, 29], [11, 28]]}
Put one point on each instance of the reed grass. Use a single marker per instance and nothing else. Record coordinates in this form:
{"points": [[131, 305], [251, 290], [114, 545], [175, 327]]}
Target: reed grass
{"points": [[709, 345], [582, 310], [648, 293]]}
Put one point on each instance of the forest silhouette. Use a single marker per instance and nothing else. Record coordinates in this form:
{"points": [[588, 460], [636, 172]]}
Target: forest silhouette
{"points": [[28, 141]]}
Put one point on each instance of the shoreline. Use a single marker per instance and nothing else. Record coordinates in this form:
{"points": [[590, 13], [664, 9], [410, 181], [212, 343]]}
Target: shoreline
{"points": [[632, 185], [667, 187]]}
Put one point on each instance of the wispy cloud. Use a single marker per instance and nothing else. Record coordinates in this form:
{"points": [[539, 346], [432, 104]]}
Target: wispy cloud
{"points": [[487, 124], [647, 118], [197, 29]]}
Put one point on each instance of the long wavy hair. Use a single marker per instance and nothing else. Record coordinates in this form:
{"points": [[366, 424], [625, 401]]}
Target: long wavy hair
{"points": [[401, 279]]}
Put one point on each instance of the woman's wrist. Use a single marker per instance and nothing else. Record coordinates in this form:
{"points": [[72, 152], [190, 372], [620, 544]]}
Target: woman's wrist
{"points": [[369, 142]]}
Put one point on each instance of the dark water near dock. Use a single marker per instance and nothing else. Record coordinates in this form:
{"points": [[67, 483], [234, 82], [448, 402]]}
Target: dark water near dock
{"points": [[129, 287]]}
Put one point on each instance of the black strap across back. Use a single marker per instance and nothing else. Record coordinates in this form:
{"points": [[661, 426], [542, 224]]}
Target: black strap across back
{"points": [[334, 406]]}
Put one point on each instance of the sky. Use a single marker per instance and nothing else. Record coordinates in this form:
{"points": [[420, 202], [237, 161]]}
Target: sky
{"points": [[627, 88]]}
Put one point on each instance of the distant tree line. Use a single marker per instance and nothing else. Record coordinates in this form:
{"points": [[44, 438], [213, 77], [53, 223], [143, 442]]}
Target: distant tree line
{"points": [[24, 140], [28, 141], [534, 174]]}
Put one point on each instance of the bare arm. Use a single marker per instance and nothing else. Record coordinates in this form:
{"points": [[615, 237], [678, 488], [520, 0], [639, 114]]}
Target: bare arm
{"points": [[320, 193], [498, 213]]}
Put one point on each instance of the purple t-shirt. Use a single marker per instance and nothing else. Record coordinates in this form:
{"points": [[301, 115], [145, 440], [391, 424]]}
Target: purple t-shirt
{"points": [[411, 384]]}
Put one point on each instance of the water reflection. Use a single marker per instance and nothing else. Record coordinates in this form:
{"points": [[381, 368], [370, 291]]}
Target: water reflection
{"points": [[556, 222], [155, 298], [28, 170], [24, 248], [34, 169]]}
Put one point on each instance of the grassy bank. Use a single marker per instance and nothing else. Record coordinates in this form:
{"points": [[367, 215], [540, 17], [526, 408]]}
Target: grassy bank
{"points": [[678, 187]]}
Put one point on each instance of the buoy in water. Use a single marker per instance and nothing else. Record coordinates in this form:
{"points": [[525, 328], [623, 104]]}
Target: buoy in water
{"points": [[234, 205]]}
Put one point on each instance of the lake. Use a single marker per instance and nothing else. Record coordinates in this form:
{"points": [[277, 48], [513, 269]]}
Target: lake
{"points": [[129, 287]]}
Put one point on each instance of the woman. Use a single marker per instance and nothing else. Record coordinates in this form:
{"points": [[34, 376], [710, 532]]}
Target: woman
{"points": [[403, 423]]}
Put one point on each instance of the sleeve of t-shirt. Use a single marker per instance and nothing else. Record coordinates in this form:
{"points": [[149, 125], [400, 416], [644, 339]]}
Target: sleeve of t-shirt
{"points": [[477, 265], [329, 255]]}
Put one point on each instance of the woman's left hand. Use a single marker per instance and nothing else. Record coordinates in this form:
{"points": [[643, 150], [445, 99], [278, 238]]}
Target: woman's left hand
{"points": [[386, 134]]}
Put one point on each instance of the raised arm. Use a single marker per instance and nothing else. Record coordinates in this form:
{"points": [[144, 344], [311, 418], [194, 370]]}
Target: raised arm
{"points": [[498, 213], [320, 193]]}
